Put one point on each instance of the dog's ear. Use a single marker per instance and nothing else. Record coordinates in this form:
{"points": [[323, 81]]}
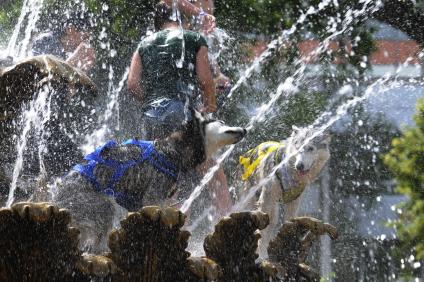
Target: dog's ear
{"points": [[197, 115], [190, 116], [295, 130]]}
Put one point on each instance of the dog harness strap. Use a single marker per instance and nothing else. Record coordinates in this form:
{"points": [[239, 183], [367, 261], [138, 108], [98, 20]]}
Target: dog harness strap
{"points": [[88, 171], [120, 169], [288, 181], [157, 160], [95, 156], [93, 159], [148, 153], [161, 164]]}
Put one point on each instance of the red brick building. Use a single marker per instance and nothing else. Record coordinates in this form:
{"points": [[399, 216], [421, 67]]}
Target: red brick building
{"points": [[394, 48]]}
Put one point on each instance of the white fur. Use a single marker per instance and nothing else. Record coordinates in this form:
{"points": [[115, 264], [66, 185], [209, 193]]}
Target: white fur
{"points": [[217, 135], [313, 156]]}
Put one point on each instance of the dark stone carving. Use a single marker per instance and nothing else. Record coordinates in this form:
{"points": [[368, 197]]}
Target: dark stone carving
{"points": [[291, 246], [151, 247], [19, 82], [37, 244], [71, 103], [233, 246]]}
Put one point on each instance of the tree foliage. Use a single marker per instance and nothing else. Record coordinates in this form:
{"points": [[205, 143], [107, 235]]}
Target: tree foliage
{"points": [[9, 13], [406, 160]]}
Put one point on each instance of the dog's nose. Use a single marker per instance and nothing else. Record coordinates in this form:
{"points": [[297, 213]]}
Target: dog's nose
{"points": [[300, 166], [244, 131]]}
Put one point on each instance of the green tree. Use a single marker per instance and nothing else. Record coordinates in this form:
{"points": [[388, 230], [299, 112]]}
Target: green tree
{"points": [[406, 160], [9, 13]]}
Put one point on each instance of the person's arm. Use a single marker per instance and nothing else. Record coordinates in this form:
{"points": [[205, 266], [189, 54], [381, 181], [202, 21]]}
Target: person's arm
{"points": [[204, 76], [84, 57], [134, 77], [190, 10]]}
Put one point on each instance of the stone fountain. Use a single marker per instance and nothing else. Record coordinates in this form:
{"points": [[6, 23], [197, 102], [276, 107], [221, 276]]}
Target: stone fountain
{"points": [[38, 244], [71, 94]]}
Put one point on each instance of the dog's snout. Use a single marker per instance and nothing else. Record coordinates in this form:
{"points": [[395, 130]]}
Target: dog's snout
{"points": [[300, 166]]}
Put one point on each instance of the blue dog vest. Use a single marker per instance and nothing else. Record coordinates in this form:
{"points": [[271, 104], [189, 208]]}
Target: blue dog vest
{"points": [[148, 154]]}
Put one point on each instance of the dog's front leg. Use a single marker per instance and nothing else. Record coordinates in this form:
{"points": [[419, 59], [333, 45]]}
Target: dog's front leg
{"points": [[291, 208], [268, 203], [92, 212]]}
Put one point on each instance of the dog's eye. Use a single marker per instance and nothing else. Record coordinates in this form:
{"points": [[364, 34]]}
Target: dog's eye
{"points": [[309, 149]]}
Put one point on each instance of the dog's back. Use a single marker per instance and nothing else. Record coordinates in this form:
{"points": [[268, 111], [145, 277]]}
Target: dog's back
{"points": [[93, 208]]}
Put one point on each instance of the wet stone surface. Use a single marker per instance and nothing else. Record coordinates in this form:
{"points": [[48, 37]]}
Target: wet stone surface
{"points": [[38, 244], [291, 246], [19, 82], [151, 247], [233, 246], [65, 114]]}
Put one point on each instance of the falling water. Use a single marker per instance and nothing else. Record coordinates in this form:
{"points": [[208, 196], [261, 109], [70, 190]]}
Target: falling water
{"points": [[35, 9], [218, 39], [273, 46], [17, 29], [99, 136], [287, 87], [176, 16], [35, 118], [43, 133], [30, 11]]}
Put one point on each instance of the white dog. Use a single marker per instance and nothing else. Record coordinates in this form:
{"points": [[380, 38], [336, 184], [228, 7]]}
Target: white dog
{"points": [[306, 158]]}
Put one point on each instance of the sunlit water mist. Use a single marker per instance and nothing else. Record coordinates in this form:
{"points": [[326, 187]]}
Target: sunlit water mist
{"points": [[33, 121], [288, 87], [100, 135], [349, 17], [328, 119], [176, 16], [217, 44], [321, 124], [274, 45]]}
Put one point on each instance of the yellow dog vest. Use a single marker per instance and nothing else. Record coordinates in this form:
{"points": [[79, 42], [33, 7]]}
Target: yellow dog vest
{"points": [[253, 158]]}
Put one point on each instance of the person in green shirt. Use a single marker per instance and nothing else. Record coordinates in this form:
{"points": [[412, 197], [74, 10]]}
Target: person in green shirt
{"points": [[168, 74]]}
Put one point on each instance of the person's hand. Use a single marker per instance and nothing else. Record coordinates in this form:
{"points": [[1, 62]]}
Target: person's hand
{"points": [[208, 22], [84, 57], [222, 84]]}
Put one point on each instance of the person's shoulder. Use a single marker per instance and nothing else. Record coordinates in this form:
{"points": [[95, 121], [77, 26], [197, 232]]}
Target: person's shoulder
{"points": [[152, 38], [195, 36]]}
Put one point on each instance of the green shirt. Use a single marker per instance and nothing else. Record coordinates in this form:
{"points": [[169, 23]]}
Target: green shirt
{"points": [[163, 74]]}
